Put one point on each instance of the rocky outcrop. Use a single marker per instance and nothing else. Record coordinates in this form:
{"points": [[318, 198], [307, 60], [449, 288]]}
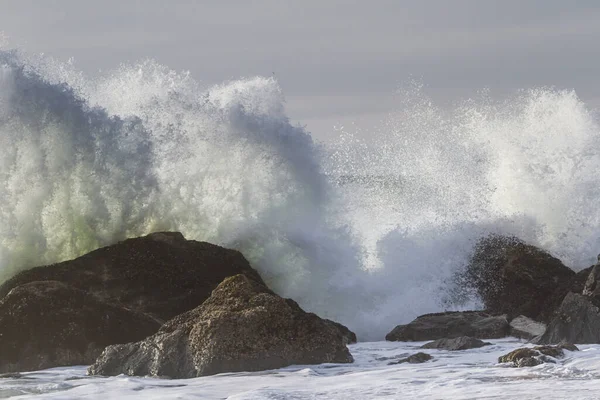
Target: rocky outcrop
{"points": [[417, 358], [161, 274], [448, 325], [576, 321], [530, 357], [67, 313], [526, 328], [47, 324], [459, 343], [243, 326], [515, 278]]}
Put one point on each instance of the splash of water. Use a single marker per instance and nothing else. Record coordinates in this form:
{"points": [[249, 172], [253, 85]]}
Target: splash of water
{"points": [[365, 232]]}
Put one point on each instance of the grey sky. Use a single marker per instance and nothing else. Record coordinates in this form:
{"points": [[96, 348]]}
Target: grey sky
{"points": [[337, 61]]}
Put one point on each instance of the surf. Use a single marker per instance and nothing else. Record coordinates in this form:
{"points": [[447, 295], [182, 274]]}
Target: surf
{"points": [[368, 231]]}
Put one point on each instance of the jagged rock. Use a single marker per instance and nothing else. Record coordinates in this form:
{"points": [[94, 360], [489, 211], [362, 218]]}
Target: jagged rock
{"points": [[526, 328], [576, 321], [66, 313], [530, 357], [450, 325], [47, 324], [416, 358], [243, 326], [459, 343], [516, 278]]}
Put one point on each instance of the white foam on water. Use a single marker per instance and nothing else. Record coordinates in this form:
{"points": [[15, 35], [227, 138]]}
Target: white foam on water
{"points": [[368, 231], [468, 374]]}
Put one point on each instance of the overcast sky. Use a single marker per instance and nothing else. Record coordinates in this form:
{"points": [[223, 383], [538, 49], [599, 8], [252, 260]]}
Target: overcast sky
{"points": [[337, 61]]}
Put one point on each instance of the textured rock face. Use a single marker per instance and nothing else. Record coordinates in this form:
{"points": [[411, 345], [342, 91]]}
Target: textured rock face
{"points": [[459, 343], [576, 321], [243, 326], [67, 313], [526, 328], [517, 279], [450, 325], [47, 324], [530, 357], [161, 274]]}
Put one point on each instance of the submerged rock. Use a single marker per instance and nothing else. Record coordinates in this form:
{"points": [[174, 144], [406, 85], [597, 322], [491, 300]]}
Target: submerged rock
{"points": [[526, 328], [47, 324], [243, 326], [417, 358], [459, 343], [515, 278], [67, 313], [448, 325], [530, 357], [576, 321]]}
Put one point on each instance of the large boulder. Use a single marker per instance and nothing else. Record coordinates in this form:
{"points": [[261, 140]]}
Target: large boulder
{"points": [[515, 278], [46, 324], [67, 313], [477, 324], [243, 326], [161, 274], [576, 321]]}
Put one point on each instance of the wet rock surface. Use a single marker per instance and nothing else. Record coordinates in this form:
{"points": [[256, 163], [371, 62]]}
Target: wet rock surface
{"points": [[530, 357], [67, 313], [515, 278], [459, 343], [417, 358], [243, 326], [47, 324], [576, 321], [161, 274], [477, 324]]}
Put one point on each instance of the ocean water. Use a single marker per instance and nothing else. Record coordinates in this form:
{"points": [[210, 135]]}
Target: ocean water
{"points": [[469, 374], [368, 230]]}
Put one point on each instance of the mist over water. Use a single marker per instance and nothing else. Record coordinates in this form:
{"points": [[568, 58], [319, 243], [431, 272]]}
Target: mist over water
{"points": [[367, 231]]}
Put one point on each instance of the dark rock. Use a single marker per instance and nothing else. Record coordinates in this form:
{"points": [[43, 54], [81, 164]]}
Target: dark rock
{"points": [[347, 334], [514, 355], [526, 328], [515, 278], [66, 313], [48, 324], [576, 321], [243, 326], [528, 362], [161, 274], [450, 325], [459, 343], [416, 358], [530, 357]]}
